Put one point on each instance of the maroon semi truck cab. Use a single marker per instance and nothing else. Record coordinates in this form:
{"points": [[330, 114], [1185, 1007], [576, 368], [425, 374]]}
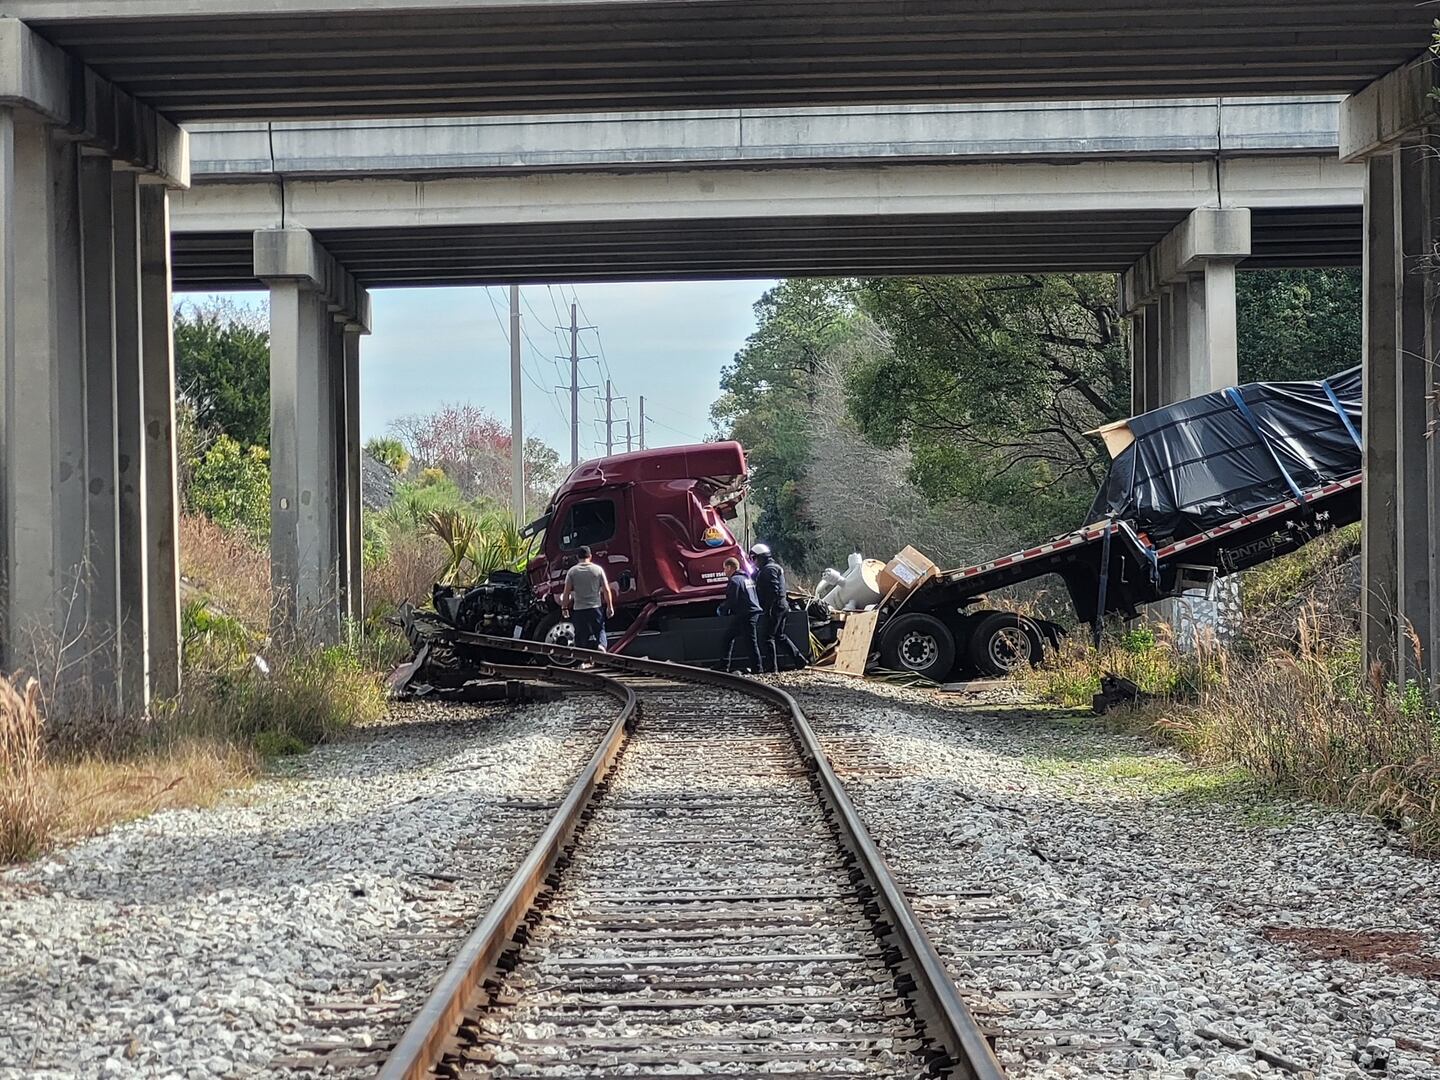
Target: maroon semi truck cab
{"points": [[657, 521]]}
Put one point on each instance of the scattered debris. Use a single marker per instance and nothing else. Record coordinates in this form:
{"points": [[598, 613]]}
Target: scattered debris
{"points": [[1116, 690], [1401, 951]]}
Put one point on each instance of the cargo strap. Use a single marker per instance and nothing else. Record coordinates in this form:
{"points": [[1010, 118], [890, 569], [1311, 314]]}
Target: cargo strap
{"points": [[1249, 417], [1344, 416]]}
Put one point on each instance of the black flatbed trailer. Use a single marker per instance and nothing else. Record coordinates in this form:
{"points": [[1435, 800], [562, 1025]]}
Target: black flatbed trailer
{"points": [[1108, 567]]}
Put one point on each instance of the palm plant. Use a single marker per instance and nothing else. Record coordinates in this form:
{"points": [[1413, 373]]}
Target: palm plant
{"points": [[477, 547]]}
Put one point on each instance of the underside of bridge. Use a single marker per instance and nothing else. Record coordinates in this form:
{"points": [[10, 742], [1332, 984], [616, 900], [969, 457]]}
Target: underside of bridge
{"points": [[1101, 242], [233, 59]]}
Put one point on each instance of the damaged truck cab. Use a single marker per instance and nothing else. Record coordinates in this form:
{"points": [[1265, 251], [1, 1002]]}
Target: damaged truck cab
{"points": [[657, 521]]}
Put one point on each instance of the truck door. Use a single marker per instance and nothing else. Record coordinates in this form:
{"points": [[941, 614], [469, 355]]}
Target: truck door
{"points": [[598, 522]]}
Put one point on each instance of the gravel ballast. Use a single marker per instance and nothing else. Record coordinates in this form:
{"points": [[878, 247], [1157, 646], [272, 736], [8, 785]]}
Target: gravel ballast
{"points": [[1143, 919], [214, 942]]}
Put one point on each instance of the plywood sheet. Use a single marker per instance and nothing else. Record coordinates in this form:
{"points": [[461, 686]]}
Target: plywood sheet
{"points": [[854, 645]]}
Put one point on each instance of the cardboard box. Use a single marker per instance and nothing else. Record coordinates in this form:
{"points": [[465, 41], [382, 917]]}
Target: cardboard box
{"points": [[906, 571]]}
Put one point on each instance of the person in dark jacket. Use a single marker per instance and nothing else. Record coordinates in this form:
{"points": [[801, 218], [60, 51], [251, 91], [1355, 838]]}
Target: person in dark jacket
{"points": [[742, 605], [770, 587]]}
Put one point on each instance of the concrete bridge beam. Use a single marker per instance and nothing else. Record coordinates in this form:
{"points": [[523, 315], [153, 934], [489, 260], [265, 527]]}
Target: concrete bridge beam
{"points": [[317, 315], [1394, 127], [86, 383]]}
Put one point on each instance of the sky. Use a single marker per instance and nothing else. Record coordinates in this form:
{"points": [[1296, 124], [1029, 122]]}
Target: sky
{"points": [[667, 341]]}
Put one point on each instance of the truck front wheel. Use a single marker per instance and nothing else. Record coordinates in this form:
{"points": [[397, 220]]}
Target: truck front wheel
{"points": [[555, 629], [919, 643], [1003, 643]]}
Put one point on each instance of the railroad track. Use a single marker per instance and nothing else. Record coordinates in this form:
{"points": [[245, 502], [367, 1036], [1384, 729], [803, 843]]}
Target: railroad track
{"points": [[705, 900]]}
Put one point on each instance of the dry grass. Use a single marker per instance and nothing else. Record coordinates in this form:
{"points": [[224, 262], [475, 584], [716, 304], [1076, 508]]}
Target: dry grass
{"points": [[232, 571], [91, 794], [27, 805], [46, 800], [408, 571]]}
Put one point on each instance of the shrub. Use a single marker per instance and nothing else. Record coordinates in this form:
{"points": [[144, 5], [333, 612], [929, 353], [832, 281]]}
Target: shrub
{"points": [[408, 572], [231, 486], [211, 639], [1304, 717], [305, 698]]}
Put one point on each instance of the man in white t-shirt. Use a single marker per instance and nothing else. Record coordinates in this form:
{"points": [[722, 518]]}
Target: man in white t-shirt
{"points": [[587, 602]]}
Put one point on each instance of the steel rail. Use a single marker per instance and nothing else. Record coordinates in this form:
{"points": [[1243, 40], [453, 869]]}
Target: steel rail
{"points": [[423, 1044], [947, 1020]]}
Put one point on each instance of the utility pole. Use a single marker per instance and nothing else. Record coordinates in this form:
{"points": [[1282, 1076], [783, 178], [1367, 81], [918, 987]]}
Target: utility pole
{"points": [[609, 419], [575, 386], [642, 423], [517, 418]]}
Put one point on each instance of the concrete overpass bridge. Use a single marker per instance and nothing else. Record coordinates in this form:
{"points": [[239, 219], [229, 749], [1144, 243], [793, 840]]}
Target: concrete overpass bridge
{"points": [[91, 92], [877, 190], [726, 193]]}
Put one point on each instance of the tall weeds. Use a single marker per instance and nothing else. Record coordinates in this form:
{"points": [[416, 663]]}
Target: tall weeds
{"points": [[1301, 715], [27, 811]]}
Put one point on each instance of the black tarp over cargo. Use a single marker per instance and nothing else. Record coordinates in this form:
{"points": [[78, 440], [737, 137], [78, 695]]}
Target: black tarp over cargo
{"points": [[1190, 466]]}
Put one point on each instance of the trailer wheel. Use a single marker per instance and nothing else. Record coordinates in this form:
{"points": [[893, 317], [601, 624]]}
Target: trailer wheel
{"points": [[555, 629], [1003, 643], [919, 643]]}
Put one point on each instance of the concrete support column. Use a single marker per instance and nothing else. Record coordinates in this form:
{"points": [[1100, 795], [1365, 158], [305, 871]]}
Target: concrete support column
{"points": [[132, 542], [1154, 366], [86, 382], [1380, 579], [354, 479], [1190, 275], [1139, 364], [8, 198], [1414, 262], [302, 558], [162, 510], [1175, 352], [44, 380], [1431, 166], [97, 229], [1222, 339], [312, 304]]}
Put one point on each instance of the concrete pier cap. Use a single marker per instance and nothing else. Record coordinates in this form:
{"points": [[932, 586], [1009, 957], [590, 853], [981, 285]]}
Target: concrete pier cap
{"points": [[1389, 109], [1208, 234], [293, 254], [38, 77]]}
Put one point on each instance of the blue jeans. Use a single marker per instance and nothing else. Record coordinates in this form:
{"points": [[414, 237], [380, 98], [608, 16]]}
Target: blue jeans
{"points": [[589, 628]]}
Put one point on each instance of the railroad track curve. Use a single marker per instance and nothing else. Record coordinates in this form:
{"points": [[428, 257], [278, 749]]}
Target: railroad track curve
{"points": [[705, 900]]}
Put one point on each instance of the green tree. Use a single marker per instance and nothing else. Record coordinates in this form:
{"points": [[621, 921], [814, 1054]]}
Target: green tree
{"points": [[231, 486], [1298, 324], [992, 382], [768, 398], [222, 367], [389, 452]]}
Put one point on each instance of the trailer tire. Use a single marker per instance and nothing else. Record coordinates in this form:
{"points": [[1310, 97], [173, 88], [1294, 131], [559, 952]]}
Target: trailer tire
{"points": [[1002, 643], [919, 643]]}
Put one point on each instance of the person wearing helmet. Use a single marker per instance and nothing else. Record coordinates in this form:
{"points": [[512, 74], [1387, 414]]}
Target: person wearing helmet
{"points": [[743, 609], [770, 587]]}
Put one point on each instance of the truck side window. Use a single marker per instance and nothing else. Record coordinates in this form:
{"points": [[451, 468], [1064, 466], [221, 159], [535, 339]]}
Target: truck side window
{"points": [[588, 523]]}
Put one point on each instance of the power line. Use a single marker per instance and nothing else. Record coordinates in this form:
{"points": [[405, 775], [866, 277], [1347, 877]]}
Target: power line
{"points": [[549, 394]]}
